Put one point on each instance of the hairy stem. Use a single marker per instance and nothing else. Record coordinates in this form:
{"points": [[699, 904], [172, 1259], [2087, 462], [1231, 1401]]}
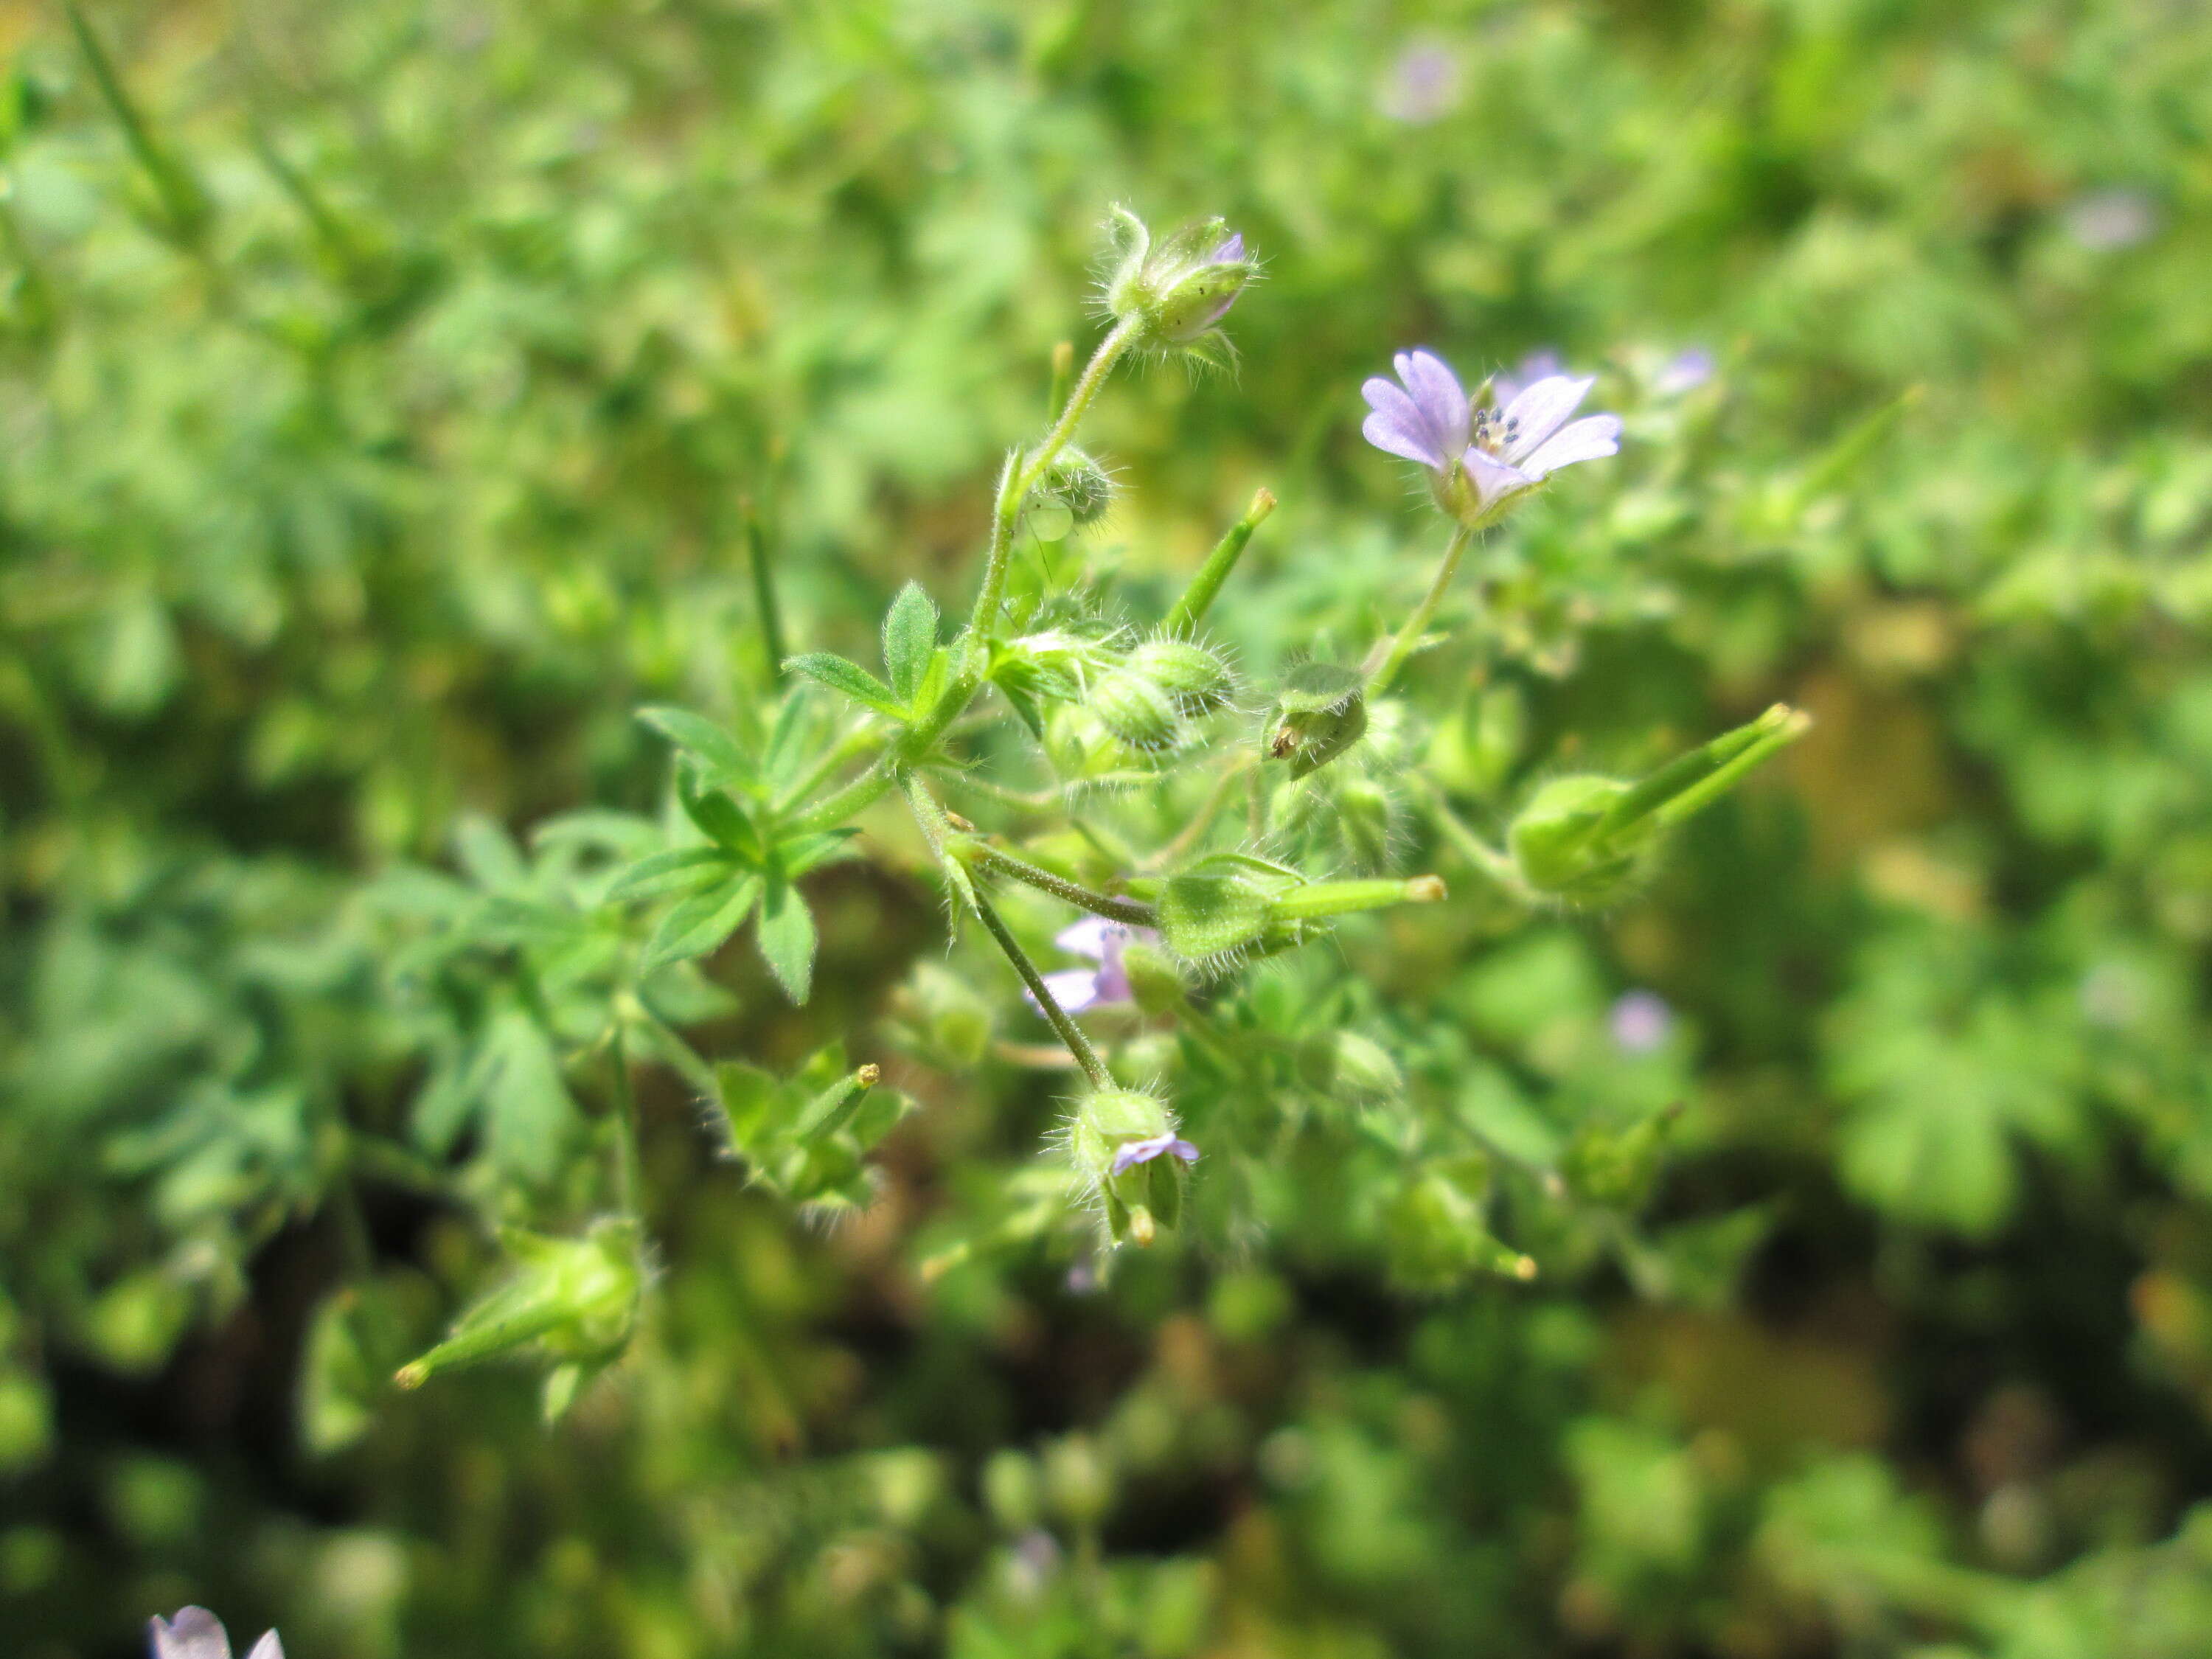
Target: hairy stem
{"points": [[1023, 469], [1078, 1044], [871, 787], [1387, 660], [1133, 911]]}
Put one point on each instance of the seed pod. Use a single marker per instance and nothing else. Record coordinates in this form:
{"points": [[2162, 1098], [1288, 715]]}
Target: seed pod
{"points": [[572, 1299], [1193, 676], [1135, 710], [1558, 843]]}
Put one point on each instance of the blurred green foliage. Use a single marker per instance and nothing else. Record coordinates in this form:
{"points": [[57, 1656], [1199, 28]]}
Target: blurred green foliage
{"points": [[388, 412]]}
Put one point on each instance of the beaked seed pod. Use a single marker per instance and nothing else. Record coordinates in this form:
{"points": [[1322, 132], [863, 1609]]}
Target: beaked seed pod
{"points": [[1557, 845], [1194, 676]]}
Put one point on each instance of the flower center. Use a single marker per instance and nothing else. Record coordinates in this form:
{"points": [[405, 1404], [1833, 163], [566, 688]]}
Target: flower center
{"points": [[1493, 432]]}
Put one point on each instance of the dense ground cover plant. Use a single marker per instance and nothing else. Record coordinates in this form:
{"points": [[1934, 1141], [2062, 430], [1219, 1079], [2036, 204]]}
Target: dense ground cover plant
{"points": [[1790, 1243]]}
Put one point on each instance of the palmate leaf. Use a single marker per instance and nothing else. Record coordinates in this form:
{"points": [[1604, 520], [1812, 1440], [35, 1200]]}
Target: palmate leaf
{"points": [[787, 939], [719, 754], [675, 870], [909, 638], [701, 922], [848, 679]]}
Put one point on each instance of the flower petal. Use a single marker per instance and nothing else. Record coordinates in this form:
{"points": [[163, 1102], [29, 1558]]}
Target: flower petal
{"points": [[1183, 1150], [1228, 253], [194, 1634], [1085, 936], [1074, 988], [1586, 440], [268, 1647], [1398, 434], [1541, 411], [1440, 396], [1493, 480]]}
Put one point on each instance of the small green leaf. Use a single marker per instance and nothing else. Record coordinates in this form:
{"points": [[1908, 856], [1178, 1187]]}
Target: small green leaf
{"points": [[848, 679], [909, 637], [721, 755], [701, 922], [718, 816], [812, 851], [786, 940], [675, 870]]}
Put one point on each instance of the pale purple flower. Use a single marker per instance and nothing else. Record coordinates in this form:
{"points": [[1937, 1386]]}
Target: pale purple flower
{"points": [[1686, 371], [2111, 220], [196, 1633], [1078, 988], [1479, 459], [1641, 1022], [1423, 84], [1133, 1152]]}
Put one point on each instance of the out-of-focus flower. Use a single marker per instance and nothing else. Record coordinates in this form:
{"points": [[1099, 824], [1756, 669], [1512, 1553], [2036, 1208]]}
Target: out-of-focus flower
{"points": [[1078, 988], [1640, 1021], [1686, 371], [1479, 460], [1131, 1153], [1423, 84], [2109, 221], [196, 1633]]}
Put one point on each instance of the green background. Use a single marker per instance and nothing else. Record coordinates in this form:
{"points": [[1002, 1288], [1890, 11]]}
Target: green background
{"points": [[380, 431]]}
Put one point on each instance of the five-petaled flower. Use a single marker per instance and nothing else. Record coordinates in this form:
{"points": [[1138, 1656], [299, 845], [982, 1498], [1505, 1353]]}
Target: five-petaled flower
{"points": [[1480, 460], [1078, 988], [196, 1633], [1131, 1153]]}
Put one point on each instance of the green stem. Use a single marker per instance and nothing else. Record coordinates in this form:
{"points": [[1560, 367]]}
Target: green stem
{"points": [[1190, 609], [1133, 911], [854, 744], [1337, 898], [1023, 470], [1471, 846], [183, 201], [1078, 1044], [629, 1182], [865, 791], [766, 610], [1389, 660]]}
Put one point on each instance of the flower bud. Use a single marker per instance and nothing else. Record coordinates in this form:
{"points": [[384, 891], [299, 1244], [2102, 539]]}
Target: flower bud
{"points": [[1155, 977], [1194, 676], [1135, 710], [1176, 292], [1079, 484], [1349, 1068], [1320, 711], [1011, 1489]]}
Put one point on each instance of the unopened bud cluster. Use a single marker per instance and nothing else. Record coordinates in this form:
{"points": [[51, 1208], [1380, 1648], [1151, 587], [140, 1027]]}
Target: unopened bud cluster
{"points": [[1175, 293]]}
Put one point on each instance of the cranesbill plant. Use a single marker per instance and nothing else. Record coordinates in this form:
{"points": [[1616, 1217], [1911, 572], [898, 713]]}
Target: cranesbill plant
{"points": [[1182, 842]]}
